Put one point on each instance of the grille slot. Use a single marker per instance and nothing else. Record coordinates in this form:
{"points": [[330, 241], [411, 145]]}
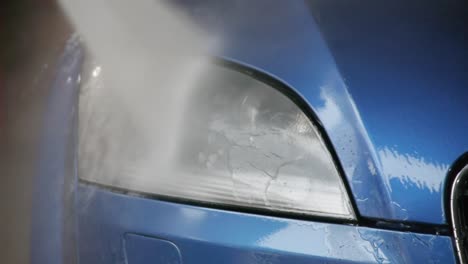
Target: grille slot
{"points": [[459, 213]]}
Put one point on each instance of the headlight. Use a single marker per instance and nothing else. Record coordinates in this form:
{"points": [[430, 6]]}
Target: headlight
{"points": [[230, 139]]}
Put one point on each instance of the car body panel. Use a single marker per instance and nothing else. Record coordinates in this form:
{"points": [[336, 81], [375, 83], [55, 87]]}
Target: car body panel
{"points": [[406, 66], [206, 235]]}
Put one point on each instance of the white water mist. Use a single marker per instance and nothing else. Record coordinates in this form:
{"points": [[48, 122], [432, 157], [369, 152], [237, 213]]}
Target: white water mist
{"points": [[144, 57]]}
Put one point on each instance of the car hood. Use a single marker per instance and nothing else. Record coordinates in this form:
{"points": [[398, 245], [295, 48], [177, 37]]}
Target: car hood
{"points": [[405, 66], [387, 81]]}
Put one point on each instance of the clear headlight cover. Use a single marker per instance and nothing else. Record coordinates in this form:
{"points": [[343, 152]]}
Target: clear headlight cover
{"points": [[230, 140]]}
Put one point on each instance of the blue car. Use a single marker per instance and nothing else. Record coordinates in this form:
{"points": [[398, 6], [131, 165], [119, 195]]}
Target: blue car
{"points": [[256, 132]]}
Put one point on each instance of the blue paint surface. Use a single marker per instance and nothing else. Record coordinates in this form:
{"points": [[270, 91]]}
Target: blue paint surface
{"points": [[216, 236], [405, 65]]}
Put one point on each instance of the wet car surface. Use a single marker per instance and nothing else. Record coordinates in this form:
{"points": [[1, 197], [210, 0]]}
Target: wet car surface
{"points": [[385, 88]]}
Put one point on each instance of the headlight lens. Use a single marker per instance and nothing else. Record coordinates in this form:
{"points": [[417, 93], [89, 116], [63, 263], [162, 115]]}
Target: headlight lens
{"points": [[233, 140]]}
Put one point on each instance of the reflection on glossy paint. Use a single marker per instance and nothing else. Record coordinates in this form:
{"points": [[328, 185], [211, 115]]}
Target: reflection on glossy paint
{"points": [[375, 246], [410, 169], [371, 166], [344, 126], [330, 112], [192, 215], [387, 171], [325, 241], [290, 233]]}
